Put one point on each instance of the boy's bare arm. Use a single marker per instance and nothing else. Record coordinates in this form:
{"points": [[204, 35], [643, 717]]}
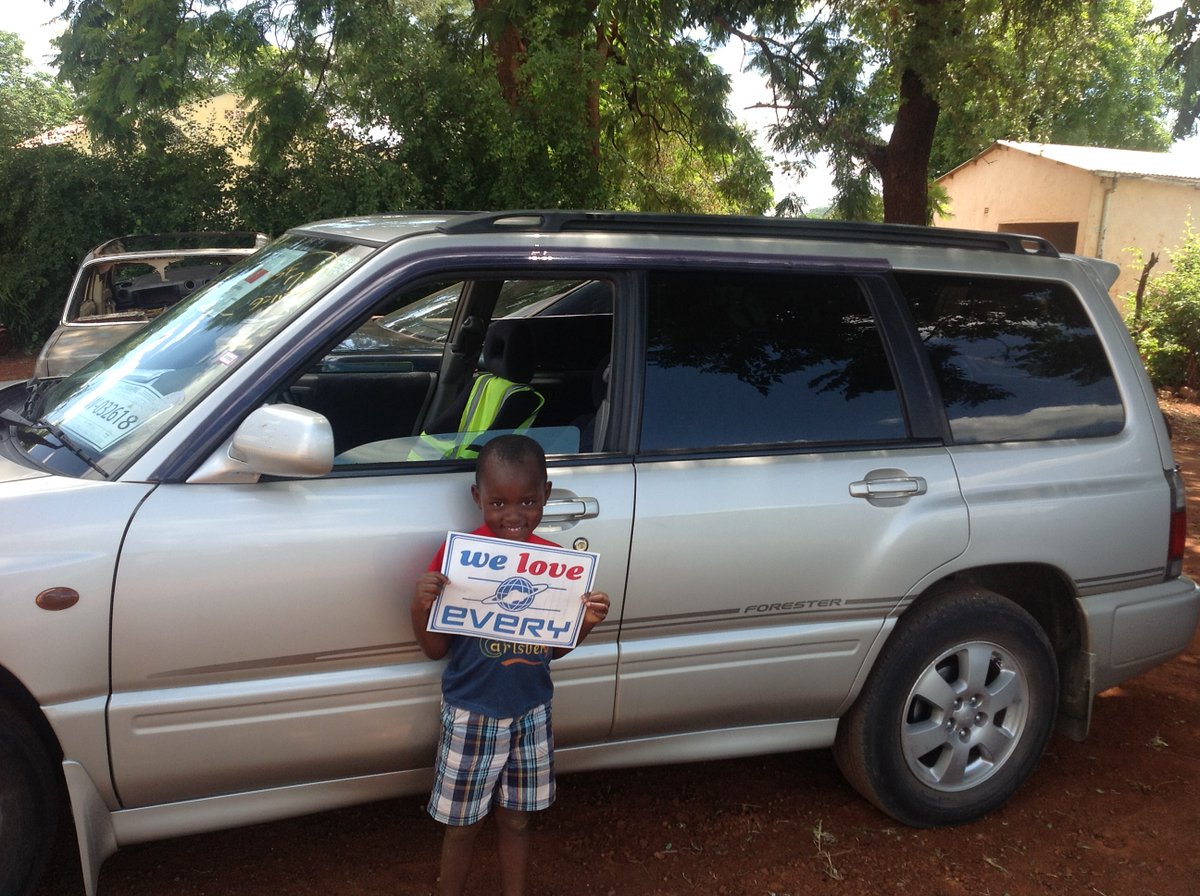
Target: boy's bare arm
{"points": [[596, 610], [434, 644]]}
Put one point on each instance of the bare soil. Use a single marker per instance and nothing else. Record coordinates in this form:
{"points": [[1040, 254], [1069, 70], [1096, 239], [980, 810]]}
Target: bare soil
{"points": [[1118, 815]]}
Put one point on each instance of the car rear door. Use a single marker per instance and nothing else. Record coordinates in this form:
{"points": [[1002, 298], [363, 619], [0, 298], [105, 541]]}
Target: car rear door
{"points": [[790, 494]]}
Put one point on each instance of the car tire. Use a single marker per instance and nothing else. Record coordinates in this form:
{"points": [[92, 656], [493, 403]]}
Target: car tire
{"points": [[955, 713], [29, 805]]}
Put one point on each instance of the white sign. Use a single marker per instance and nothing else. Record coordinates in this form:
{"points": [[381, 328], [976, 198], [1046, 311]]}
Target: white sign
{"points": [[117, 412], [512, 590]]}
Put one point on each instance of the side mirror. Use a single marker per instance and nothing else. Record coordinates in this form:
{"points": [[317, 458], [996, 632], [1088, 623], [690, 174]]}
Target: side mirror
{"points": [[276, 440]]}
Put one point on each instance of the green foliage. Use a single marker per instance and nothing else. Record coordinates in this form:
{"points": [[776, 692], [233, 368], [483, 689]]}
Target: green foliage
{"points": [[56, 203], [497, 103], [1168, 333], [133, 61], [364, 106], [1181, 29], [31, 101], [333, 177], [898, 92], [1096, 77]]}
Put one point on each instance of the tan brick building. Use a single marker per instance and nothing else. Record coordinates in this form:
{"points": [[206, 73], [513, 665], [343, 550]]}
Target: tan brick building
{"points": [[1088, 200]]}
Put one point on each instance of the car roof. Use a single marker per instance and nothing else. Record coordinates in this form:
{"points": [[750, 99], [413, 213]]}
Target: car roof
{"points": [[377, 229], [381, 229]]}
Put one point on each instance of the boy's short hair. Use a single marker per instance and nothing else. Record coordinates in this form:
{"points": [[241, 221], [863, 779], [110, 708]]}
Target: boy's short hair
{"points": [[511, 449]]}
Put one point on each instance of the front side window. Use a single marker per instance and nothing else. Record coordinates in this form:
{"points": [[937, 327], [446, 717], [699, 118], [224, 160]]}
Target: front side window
{"points": [[764, 359], [1015, 359], [438, 369]]}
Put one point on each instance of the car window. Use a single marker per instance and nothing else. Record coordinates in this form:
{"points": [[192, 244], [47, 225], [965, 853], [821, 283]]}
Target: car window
{"points": [[760, 359], [1015, 359], [394, 395], [142, 289], [428, 318]]}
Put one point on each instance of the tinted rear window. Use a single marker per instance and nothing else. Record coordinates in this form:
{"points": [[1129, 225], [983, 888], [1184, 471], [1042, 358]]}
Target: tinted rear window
{"points": [[1015, 359], [762, 359]]}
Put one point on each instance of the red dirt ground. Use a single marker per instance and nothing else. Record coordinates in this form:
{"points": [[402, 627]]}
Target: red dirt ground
{"points": [[1118, 815]]}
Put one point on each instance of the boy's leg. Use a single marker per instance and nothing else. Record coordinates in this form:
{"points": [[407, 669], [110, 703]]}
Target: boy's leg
{"points": [[525, 787], [458, 843], [468, 765], [512, 842]]}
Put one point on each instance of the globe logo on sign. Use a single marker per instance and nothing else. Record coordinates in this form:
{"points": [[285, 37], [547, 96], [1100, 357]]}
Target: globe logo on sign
{"points": [[515, 594]]}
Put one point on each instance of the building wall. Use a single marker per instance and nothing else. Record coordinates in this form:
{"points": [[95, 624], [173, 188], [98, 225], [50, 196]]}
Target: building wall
{"points": [[220, 120], [1004, 186], [1146, 216]]}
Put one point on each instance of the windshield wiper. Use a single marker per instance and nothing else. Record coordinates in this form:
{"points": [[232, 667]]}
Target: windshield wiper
{"points": [[64, 441], [36, 387]]}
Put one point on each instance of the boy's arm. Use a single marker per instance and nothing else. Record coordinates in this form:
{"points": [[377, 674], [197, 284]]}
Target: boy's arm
{"points": [[597, 608], [434, 644]]}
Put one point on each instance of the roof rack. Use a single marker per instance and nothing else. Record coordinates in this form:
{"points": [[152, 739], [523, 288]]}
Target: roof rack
{"points": [[554, 221]]}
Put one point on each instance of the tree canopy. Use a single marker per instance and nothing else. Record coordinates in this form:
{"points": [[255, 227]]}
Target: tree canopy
{"points": [[499, 103], [899, 91], [1181, 27], [32, 101], [615, 102]]}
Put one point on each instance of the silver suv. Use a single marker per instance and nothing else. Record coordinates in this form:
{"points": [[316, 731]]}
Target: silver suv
{"points": [[901, 492]]}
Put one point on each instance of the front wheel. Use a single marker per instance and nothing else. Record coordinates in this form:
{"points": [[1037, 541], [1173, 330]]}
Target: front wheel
{"points": [[29, 803], [955, 713]]}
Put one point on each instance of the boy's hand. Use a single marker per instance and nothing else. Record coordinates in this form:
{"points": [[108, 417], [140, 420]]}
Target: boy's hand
{"points": [[597, 608], [429, 588]]}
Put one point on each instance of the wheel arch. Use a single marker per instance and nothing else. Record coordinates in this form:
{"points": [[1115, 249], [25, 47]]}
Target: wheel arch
{"points": [[16, 695], [879, 732], [34, 788], [1049, 596]]}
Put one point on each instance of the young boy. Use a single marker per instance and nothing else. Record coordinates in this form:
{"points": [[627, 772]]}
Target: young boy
{"points": [[496, 749]]}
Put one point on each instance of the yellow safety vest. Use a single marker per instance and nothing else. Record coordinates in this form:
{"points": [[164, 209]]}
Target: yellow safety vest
{"points": [[488, 395]]}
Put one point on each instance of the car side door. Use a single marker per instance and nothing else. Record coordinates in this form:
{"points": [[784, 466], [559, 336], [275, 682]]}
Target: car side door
{"points": [[790, 495], [262, 635]]}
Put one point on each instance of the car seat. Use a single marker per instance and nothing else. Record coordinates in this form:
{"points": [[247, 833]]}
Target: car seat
{"points": [[593, 427], [500, 398]]}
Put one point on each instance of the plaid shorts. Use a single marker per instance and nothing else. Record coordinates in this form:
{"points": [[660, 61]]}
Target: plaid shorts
{"points": [[481, 761]]}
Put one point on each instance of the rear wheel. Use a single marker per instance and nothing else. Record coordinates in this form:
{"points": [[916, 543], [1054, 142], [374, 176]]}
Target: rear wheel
{"points": [[29, 804], [956, 712]]}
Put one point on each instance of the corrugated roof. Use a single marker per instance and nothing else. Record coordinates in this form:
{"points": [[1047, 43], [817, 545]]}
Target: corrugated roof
{"points": [[1182, 165]]}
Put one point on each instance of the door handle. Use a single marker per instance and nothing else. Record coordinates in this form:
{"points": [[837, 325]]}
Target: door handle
{"points": [[561, 509], [888, 486]]}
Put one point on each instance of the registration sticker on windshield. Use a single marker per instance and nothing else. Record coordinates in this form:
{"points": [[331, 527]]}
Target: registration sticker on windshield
{"points": [[110, 417]]}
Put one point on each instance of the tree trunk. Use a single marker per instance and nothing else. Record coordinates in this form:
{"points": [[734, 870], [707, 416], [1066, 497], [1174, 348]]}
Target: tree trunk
{"points": [[508, 50], [903, 165], [1140, 298]]}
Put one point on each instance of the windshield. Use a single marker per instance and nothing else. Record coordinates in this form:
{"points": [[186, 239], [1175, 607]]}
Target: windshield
{"points": [[105, 413]]}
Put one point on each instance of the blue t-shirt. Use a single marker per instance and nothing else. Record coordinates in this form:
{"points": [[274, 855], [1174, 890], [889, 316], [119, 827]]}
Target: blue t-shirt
{"points": [[495, 678]]}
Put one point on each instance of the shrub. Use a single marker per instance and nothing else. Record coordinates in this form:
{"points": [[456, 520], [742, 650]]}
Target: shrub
{"points": [[57, 202], [1168, 332]]}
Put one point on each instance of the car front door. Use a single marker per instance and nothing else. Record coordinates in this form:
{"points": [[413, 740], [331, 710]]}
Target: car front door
{"points": [[262, 636]]}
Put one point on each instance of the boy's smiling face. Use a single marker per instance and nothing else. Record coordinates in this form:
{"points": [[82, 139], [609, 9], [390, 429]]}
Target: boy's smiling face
{"points": [[511, 496]]}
